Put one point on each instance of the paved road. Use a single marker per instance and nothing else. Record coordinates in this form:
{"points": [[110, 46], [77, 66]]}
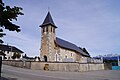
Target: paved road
{"points": [[14, 73]]}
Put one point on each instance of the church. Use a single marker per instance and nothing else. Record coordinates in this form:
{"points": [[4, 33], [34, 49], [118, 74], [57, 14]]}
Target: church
{"points": [[55, 49]]}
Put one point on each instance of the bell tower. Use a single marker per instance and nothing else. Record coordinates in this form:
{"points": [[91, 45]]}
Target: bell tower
{"points": [[47, 50]]}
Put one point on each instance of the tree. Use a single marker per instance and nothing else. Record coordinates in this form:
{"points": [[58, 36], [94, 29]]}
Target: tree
{"points": [[25, 55], [16, 55], [7, 15], [86, 51]]}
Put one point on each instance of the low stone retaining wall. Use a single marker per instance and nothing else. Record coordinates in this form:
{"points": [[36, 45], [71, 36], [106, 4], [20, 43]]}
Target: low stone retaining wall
{"points": [[57, 66]]}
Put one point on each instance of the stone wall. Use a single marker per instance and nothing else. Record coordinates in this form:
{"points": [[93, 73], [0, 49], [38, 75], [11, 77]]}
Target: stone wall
{"points": [[57, 66]]}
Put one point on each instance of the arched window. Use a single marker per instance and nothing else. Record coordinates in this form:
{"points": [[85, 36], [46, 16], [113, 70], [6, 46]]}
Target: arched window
{"points": [[46, 29], [65, 56], [51, 29], [71, 54], [43, 29]]}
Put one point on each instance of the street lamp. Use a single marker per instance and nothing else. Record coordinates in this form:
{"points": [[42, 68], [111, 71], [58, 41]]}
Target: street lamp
{"points": [[10, 51]]}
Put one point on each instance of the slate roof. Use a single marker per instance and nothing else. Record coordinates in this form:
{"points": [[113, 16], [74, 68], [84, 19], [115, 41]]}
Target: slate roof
{"points": [[65, 44], [8, 48], [48, 21]]}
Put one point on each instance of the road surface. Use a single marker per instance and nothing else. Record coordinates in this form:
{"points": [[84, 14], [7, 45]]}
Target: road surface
{"points": [[14, 73]]}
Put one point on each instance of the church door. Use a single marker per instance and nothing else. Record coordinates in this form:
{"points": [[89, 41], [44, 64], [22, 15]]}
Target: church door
{"points": [[45, 58]]}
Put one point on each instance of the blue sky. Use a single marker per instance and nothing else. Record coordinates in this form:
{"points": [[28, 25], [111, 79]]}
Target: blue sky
{"points": [[93, 24]]}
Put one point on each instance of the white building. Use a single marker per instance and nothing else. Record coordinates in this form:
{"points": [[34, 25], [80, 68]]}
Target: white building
{"points": [[7, 51]]}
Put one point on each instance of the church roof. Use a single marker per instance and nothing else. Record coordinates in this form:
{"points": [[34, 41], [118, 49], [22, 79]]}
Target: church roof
{"points": [[10, 48], [65, 44], [48, 21]]}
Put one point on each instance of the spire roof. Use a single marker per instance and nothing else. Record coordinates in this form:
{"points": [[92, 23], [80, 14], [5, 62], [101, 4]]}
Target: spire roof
{"points": [[48, 21]]}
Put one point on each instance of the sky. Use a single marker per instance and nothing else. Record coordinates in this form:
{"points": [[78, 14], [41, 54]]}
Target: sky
{"points": [[90, 24]]}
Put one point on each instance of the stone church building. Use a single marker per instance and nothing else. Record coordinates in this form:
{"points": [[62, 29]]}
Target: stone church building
{"points": [[56, 49]]}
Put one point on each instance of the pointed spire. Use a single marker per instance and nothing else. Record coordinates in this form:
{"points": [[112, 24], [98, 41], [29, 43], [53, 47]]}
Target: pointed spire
{"points": [[48, 21]]}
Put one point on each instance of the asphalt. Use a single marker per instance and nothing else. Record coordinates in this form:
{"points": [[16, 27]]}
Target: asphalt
{"points": [[14, 73], [3, 78]]}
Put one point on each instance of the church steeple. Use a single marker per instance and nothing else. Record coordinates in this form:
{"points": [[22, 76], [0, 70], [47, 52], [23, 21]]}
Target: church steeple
{"points": [[48, 37], [48, 21]]}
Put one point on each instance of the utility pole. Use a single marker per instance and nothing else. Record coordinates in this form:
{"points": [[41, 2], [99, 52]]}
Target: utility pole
{"points": [[11, 50], [10, 47]]}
